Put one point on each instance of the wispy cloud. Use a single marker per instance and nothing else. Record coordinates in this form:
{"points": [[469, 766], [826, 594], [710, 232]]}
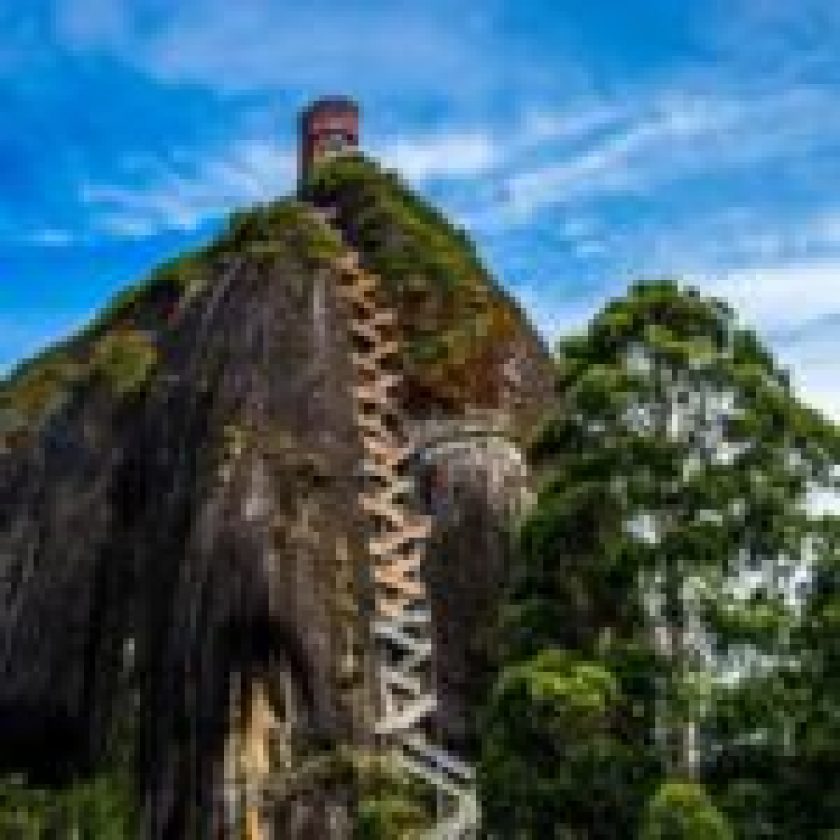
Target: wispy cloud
{"points": [[43, 237], [671, 136], [620, 161], [784, 300], [261, 44], [743, 240], [594, 150], [190, 188], [488, 150], [452, 154], [182, 195]]}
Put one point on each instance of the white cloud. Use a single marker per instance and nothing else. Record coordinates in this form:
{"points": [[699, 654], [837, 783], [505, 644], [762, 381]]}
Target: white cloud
{"points": [[48, 237], [797, 308], [582, 118], [740, 245], [179, 195], [783, 298], [256, 45], [453, 154], [191, 188], [666, 136], [627, 158], [485, 153]]}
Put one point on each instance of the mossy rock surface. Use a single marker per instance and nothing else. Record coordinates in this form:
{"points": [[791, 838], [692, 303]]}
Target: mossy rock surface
{"points": [[119, 347], [459, 326]]}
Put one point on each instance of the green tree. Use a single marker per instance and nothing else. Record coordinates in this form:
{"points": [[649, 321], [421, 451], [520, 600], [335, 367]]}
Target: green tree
{"points": [[671, 522], [810, 766], [552, 766], [705, 458], [683, 811]]}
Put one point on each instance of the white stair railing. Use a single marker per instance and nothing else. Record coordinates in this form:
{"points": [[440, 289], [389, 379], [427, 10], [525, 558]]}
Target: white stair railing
{"points": [[396, 544]]}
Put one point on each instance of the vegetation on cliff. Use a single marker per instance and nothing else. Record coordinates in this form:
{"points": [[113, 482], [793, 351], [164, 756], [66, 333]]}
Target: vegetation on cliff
{"points": [[657, 631], [121, 346], [101, 808], [457, 323], [389, 805]]}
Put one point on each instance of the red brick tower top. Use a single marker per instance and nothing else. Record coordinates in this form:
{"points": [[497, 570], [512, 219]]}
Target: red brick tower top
{"points": [[328, 127]]}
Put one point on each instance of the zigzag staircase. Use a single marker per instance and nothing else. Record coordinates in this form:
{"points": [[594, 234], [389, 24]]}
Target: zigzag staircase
{"points": [[397, 545]]}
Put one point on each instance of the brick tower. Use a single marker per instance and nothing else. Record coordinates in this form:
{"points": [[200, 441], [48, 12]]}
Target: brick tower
{"points": [[328, 127]]}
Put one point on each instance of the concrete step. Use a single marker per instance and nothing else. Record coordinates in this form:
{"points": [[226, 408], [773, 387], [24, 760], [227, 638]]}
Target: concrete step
{"points": [[409, 717], [459, 771], [392, 633]]}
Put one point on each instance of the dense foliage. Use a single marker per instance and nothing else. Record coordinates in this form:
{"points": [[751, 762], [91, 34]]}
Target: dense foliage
{"points": [[553, 765], [670, 552], [97, 809], [683, 811], [389, 805]]}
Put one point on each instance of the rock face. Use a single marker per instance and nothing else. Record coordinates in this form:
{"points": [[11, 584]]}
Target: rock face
{"points": [[179, 540], [203, 530], [473, 481]]}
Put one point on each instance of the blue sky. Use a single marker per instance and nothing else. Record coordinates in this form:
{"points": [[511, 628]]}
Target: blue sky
{"points": [[583, 143]]}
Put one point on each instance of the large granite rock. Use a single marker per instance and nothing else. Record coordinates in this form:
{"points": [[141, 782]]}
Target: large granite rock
{"points": [[170, 540]]}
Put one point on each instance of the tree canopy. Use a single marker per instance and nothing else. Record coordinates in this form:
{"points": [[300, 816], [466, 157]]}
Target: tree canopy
{"points": [[676, 547]]}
